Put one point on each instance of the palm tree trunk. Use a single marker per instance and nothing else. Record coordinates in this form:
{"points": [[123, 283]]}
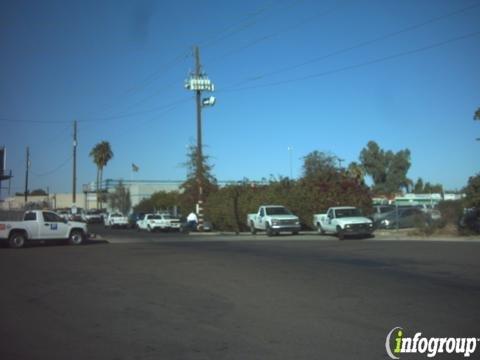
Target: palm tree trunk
{"points": [[98, 183], [101, 181]]}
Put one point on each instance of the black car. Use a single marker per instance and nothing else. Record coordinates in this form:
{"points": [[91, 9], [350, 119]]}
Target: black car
{"points": [[470, 220], [133, 218]]}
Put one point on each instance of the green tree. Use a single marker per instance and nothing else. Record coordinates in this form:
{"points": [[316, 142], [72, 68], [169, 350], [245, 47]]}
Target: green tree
{"points": [[356, 171], [387, 169], [324, 185], [476, 116], [427, 188], [190, 193], [38, 192], [318, 163], [472, 191], [101, 154], [419, 186], [120, 199], [432, 188], [161, 200]]}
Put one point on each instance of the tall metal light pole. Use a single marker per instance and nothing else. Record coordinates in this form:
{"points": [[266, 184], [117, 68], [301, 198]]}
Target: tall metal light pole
{"points": [[198, 100], [74, 185], [199, 82], [290, 149]]}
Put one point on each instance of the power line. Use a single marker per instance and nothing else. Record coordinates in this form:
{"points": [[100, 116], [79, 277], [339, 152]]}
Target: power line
{"points": [[126, 115], [57, 168], [229, 31], [361, 44], [263, 38], [350, 67], [106, 118], [243, 24], [150, 78]]}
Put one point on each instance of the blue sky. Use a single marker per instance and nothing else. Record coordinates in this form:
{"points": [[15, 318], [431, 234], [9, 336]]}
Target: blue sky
{"points": [[307, 74]]}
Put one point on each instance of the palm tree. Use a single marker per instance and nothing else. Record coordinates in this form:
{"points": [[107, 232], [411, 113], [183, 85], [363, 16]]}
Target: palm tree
{"points": [[101, 155], [476, 116]]}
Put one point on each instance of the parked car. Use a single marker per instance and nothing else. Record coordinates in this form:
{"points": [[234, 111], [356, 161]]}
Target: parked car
{"points": [[404, 217], [380, 211], [343, 221], [133, 218], [470, 220], [63, 213], [116, 220], [273, 219], [94, 216], [153, 222], [186, 228]]}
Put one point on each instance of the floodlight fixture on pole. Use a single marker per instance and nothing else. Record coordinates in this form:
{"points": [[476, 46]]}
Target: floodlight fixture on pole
{"points": [[210, 101]]}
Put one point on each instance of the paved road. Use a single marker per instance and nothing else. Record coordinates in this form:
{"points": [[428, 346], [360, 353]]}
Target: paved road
{"points": [[169, 297]]}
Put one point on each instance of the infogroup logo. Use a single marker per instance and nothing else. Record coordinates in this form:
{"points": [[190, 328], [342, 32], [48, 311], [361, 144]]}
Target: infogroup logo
{"points": [[397, 343]]}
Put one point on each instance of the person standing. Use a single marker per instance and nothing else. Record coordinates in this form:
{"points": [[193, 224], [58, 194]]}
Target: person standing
{"points": [[192, 221]]}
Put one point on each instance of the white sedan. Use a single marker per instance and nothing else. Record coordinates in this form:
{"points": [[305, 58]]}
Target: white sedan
{"points": [[152, 222]]}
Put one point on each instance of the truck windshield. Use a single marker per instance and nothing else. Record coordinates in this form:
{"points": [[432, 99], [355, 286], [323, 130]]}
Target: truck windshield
{"points": [[348, 213], [279, 210]]}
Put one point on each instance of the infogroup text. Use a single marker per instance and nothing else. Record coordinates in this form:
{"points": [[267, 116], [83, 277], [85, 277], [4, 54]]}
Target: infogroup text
{"points": [[397, 343]]}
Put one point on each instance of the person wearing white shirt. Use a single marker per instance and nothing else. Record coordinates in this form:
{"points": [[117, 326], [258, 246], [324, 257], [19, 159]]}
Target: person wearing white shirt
{"points": [[192, 221]]}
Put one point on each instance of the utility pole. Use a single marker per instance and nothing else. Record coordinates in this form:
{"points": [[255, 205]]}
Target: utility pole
{"points": [[27, 166], [199, 82], [74, 193]]}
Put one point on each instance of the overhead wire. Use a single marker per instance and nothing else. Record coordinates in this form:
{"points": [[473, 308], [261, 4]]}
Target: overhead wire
{"points": [[54, 170], [263, 38], [243, 24], [355, 66], [229, 31], [359, 45]]}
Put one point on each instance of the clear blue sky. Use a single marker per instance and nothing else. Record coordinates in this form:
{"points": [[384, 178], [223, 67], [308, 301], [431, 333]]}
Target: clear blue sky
{"points": [[312, 75]]}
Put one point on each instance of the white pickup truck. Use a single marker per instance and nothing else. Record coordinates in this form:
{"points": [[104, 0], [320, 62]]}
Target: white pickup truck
{"points": [[152, 222], [42, 225], [342, 221], [273, 219]]}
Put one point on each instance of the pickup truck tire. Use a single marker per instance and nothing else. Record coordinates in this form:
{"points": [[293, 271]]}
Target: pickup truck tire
{"points": [[76, 237], [340, 233], [269, 230], [320, 229], [253, 231], [17, 240]]}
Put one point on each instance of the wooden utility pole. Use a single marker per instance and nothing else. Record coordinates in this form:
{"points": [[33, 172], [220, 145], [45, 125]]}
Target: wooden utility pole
{"points": [[27, 166]]}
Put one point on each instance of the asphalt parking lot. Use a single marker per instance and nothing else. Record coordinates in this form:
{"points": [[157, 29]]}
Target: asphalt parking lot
{"points": [[171, 296]]}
